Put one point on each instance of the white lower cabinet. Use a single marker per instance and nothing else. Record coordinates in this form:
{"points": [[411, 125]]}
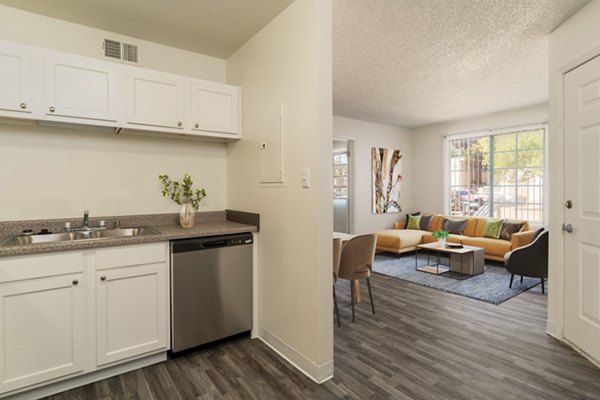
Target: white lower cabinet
{"points": [[42, 324], [131, 306], [67, 314]]}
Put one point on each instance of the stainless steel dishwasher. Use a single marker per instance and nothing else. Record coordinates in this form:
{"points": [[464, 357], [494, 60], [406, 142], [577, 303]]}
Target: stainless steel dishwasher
{"points": [[211, 289]]}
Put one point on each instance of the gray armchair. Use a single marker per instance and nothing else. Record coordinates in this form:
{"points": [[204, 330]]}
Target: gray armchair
{"points": [[530, 260]]}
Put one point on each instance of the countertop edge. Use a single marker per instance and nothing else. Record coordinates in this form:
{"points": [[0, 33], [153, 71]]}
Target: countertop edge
{"points": [[166, 233]]}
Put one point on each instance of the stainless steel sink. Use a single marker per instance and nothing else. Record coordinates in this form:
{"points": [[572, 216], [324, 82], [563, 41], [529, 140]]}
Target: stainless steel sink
{"points": [[32, 239], [121, 232], [18, 240]]}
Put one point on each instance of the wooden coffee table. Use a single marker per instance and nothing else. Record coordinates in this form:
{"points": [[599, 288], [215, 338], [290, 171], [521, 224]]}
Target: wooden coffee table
{"points": [[463, 262]]}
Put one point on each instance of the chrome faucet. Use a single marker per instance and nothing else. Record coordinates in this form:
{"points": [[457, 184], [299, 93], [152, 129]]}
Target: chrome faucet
{"points": [[86, 220]]}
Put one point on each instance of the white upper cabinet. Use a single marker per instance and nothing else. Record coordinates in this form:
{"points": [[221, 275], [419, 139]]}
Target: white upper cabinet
{"points": [[16, 79], [62, 88], [155, 99], [80, 87], [215, 107]]}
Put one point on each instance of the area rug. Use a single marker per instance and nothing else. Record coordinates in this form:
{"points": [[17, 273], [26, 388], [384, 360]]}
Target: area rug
{"points": [[491, 286]]}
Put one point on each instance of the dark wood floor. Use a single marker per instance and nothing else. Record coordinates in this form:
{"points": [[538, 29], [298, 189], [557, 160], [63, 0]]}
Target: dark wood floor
{"points": [[422, 344]]}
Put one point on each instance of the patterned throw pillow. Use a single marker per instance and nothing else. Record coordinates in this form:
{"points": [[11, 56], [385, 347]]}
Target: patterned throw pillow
{"points": [[414, 222], [508, 228], [492, 228], [425, 222], [455, 226], [408, 215]]}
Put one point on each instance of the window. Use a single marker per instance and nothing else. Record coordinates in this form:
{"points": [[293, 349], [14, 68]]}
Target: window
{"points": [[499, 174], [340, 175]]}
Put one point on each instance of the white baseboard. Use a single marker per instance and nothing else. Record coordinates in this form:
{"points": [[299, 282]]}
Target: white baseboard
{"points": [[84, 379], [318, 373], [583, 353]]}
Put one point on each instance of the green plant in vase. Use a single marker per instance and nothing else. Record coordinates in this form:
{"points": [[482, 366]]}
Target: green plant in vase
{"points": [[441, 236], [184, 195]]}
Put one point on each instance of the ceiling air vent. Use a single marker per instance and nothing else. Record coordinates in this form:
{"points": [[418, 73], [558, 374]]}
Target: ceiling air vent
{"points": [[112, 49], [120, 51], [130, 52]]}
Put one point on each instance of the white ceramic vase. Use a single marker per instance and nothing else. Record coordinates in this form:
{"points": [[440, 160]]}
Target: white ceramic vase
{"points": [[187, 216], [441, 242]]}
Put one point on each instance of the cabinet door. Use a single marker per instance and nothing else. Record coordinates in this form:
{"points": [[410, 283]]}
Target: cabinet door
{"points": [[80, 87], [215, 107], [155, 99], [131, 311], [42, 330], [15, 78]]}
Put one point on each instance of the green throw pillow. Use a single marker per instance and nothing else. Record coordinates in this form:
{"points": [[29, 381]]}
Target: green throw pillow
{"points": [[492, 228], [414, 222]]}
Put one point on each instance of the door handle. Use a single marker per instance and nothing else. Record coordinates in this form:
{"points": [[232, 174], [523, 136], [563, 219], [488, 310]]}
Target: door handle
{"points": [[567, 228]]}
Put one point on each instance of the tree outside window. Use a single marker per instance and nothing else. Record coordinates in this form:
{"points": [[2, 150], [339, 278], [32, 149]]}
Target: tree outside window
{"points": [[498, 175]]}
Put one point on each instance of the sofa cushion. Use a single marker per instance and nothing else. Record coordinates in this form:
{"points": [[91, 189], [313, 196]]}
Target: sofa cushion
{"points": [[425, 222], [493, 247], [455, 226], [492, 228], [509, 227], [399, 238], [436, 223], [414, 222], [407, 215]]}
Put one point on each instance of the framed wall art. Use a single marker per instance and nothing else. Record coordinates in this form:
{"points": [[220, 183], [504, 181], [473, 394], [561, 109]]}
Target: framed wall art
{"points": [[387, 179]]}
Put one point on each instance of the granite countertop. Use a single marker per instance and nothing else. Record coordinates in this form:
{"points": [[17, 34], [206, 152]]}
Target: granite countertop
{"points": [[209, 224]]}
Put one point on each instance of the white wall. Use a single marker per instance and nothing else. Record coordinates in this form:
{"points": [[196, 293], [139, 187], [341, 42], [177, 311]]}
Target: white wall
{"points": [[41, 31], [574, 42], [290, 60], [428, 166], [56, 173], [52, 173], [367, 135]]}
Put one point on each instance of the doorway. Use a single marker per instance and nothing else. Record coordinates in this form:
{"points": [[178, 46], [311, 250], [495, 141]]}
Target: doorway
{"points": [[343, 194]]}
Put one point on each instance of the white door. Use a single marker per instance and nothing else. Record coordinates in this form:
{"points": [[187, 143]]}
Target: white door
{"points": [[131, 311], [155, 99], [215, 107], [582, 188], [80, 87], [41, 333], [15, 78]]}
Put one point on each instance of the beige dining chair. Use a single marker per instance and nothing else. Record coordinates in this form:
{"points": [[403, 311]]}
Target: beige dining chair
{"points": [[356, 263], [337, 254]]}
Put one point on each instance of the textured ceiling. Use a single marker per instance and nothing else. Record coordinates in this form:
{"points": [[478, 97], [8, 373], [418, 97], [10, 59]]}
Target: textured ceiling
{"points": [[401, 62], [213, 27], [415, 62]]}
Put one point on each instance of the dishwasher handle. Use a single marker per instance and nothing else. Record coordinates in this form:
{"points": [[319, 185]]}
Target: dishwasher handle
{"points": [[211, 242], [215, 243]]}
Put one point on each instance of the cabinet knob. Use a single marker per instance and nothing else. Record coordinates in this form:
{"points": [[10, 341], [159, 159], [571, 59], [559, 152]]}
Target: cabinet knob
{"points": [[52, 109], [75, 281], [23, 106], [103, 278], [179, 123], [197, 126]]}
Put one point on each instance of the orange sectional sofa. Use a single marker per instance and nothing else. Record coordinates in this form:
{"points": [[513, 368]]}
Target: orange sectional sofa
{"points": [[400, 240]]}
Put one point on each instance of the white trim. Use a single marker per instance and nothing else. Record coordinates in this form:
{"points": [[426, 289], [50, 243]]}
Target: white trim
{"points": [[498, 131], [446, 175], [64, 385], [318, 373]]}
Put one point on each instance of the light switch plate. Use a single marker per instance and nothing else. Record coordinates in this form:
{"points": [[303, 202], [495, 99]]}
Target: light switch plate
{"points": [[306, 178]]}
